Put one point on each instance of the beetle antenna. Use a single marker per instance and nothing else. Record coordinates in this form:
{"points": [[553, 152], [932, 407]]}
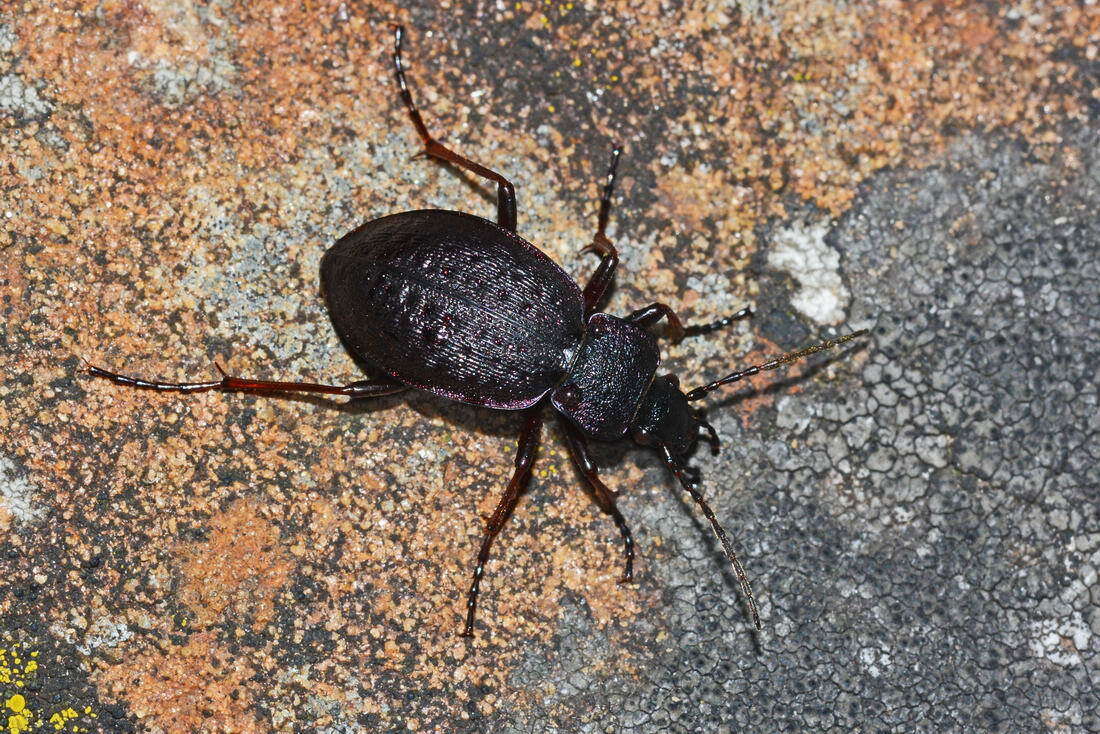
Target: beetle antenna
{"points": [[699, 392], [688, 484]]}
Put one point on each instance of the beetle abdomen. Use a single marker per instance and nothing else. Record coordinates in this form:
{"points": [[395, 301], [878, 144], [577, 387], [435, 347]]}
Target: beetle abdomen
{"points": [[455, 305]]}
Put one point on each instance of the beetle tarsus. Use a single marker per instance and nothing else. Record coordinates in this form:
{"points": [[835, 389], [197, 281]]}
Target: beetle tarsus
{"points": [[608, 190], [601, 279], [699, 329], [377, 387], [506, 192], [605, 498]]}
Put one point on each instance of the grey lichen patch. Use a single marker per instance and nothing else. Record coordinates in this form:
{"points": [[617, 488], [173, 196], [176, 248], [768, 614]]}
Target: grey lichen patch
{"points": [[199, 66], [17, 495], [244, 279], [22, 100], [800, 250], [919, 518], [239, 287], [176, 84], [7, 39], [87, 636]]}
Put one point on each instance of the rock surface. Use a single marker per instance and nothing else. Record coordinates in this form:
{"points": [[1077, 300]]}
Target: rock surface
{"points": [[919, 514]]}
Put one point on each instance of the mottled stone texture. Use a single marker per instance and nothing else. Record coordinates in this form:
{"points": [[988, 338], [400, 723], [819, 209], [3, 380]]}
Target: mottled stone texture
{"points": [[918, 514]]}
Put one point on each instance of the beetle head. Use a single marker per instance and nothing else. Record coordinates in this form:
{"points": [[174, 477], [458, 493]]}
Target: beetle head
{"points": [[665, 419]]}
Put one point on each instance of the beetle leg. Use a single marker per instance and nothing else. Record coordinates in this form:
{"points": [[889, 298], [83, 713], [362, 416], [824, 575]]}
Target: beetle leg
{"points": [[506, 193], [525, 459], [605, 498], [361, 389], [605, 273], [598, 284], [712, 435], [697, 329], [651, 314]]}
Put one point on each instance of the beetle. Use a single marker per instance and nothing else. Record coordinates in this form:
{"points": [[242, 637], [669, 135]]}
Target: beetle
{"points": [[462, 307]]}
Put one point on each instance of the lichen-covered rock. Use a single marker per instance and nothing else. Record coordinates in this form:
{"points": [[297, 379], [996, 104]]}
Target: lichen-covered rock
{"points": [[919, 517]]}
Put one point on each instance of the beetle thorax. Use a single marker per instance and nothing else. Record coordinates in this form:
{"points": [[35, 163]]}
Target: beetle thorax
{"points": [[614, 366]]}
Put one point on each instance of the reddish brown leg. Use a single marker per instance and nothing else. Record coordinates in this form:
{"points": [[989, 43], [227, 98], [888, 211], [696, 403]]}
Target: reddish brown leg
{"points": [[605, 498], [506, 193], [609, 256], [525, 460], [652, 313], [360, 389]]}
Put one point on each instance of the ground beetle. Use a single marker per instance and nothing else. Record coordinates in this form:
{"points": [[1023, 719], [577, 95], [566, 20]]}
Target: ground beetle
{"points": [[458, 306]]}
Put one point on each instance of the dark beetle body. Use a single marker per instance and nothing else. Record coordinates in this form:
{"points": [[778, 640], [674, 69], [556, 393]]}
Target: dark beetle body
{"points": [[464, 308], [455, 305]]}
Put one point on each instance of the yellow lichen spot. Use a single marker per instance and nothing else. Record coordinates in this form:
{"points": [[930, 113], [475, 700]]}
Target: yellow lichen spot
{"points": [[577, 61], [551, 108], [614, 77], [16, 669], [62, 717], [18, 723]]}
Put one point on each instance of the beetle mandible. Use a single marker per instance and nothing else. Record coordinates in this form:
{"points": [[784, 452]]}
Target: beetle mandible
{"points": [[462, 307]]}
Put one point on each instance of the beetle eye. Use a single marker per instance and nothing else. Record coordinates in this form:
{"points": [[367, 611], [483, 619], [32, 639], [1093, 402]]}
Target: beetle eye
{"points": [[673, 380]]}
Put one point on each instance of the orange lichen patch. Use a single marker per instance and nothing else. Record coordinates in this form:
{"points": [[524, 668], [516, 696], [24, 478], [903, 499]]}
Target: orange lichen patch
{"points": [[593, 572], [688, 196], [812, 97], [195, 687], [237, 571], [5, 519], [406, 551]]}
